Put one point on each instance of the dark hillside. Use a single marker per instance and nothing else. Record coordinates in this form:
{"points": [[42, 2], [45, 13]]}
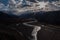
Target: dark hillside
{"points": [[52, 17], [6, 18]]}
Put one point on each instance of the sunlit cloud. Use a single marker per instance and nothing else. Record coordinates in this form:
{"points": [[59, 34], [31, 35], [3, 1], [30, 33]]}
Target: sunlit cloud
{"points": [[3, 7], [42, 4], [16, 5]]}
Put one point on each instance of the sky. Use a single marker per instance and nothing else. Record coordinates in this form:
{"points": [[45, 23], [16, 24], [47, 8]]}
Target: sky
{"points": [[4, 1], [7, 7]]}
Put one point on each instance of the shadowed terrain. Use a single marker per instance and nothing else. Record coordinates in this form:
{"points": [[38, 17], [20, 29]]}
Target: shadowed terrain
{"points": [[16, 27], [51, 17]]}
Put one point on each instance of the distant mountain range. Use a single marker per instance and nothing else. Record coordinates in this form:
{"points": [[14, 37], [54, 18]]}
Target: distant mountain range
{"points": [[52, 17]]}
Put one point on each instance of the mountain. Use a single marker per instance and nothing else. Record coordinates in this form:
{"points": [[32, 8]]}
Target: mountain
{"points": [[45, 7], [51, 17], [7, 18]]}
